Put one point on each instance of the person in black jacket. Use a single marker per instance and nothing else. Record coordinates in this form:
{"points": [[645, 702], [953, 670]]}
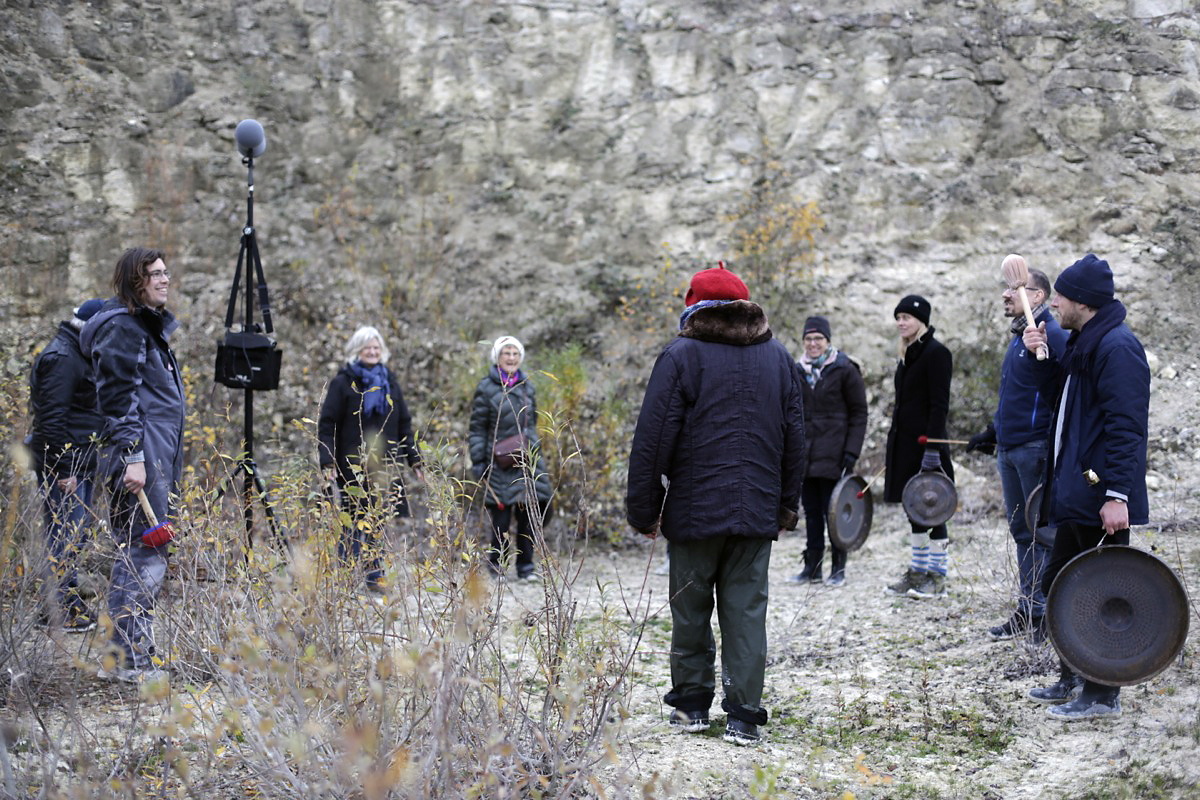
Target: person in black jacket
{"points": [[66, 424], [140, 392], [716, 465], [835, 423], [363, 432], [504, 413], [922, 403]]}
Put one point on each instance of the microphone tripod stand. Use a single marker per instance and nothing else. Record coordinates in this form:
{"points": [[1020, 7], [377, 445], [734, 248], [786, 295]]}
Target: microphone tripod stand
{"points": [[252, 481]]}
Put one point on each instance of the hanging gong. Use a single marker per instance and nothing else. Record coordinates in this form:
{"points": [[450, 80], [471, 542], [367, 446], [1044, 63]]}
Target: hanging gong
{"points": [[1117, 615], [929, 498], [1045, 534], [850, 512]]}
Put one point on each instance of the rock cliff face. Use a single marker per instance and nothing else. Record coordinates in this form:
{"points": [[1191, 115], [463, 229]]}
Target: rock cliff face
{"points": [[452, 170]]}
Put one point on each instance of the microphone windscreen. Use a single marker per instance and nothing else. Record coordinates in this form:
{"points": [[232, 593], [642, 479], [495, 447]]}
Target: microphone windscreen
{"points": [[251, 141]]}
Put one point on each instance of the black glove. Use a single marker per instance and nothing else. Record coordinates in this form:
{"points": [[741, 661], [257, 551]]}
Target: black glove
{"points": [[848, 462], [931, 460], [984, 442]]}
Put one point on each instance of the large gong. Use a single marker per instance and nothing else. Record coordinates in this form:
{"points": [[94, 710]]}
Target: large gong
{"points": [[929, 498], [1117, 615], [850, 511]]}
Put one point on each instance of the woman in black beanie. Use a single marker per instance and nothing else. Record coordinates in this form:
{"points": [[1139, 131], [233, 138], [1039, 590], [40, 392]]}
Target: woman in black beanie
{"points": [[922, 403], [835, 423]]}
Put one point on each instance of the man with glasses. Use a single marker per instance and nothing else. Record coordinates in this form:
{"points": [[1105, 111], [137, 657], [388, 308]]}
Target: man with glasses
{"points": [[1018, 435], [141, 398]]}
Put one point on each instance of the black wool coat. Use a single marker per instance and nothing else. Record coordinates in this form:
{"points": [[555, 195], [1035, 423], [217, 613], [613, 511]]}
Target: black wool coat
{"points": [[723, 421], [835, 417], [341, 430], [498, 412], [922, 403]]}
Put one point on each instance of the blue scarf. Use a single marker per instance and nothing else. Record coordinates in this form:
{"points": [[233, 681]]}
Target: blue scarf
{"points": [[373, 383], [692, 309]]}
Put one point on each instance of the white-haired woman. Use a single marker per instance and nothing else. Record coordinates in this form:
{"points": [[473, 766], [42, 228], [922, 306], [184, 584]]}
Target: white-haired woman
{"points": [[364, 429], [504, 417]]}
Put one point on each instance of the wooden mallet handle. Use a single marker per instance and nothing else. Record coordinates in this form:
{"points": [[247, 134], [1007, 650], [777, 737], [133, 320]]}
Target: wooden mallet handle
{"points": [[927, 440], [146, 508]]}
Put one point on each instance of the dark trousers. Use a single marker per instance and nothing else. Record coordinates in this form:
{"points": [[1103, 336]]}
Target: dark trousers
{"points": [[501, 521], [734, 570], [360, 540], [1071, 540], [815, 496], [70, 519], [1021, 470]]}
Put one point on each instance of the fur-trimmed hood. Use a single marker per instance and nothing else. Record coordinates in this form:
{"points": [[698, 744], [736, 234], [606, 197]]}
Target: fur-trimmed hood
{"points": [[739, 322]]}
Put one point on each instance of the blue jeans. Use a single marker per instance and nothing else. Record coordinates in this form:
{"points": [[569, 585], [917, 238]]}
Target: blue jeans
{"points": [[69, 520], [1021, 470]]}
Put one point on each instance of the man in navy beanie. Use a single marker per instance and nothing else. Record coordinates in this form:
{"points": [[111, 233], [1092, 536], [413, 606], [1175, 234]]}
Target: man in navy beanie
{"points": [[1096, 471]]}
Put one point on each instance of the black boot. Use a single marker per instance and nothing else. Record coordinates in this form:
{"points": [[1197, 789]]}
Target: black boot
{"points": [[812, 567], [837, 569]]}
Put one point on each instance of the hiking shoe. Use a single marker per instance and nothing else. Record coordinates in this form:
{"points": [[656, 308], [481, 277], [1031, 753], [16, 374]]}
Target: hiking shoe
{"points": [[530, 577], [664, 567], [933, 585], [1086, 708], [1060, 691], [689, 721], [740, 732], [836, 578], [1017, 625], [911, 578]]}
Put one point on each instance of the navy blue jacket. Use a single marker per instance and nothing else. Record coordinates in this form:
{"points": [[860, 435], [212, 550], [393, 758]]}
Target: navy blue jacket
{"points": [[1105, 429], [1028, 388], [62, 400], [723, 421]]}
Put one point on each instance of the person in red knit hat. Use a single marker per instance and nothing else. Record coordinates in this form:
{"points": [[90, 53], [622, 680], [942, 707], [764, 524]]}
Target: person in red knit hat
{"points": [[722, 422]]}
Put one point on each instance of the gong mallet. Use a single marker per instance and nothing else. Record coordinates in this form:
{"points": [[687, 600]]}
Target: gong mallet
{"points": [[927, 440], [1016, 275], [158, 533], [874, 478]]}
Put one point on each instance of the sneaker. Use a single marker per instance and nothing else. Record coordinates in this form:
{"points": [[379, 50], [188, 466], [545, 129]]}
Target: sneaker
{"points": [[933, 585], [133, 674], [1086, 708], [664, 567], [1017, 625], [689, 721], [530, 577], [911, 578], [836, 579], [740, 732], [79, 623], [1060, 691]]}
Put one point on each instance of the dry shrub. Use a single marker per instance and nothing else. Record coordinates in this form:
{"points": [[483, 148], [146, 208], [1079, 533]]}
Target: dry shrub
{"points": [[287, 680]]}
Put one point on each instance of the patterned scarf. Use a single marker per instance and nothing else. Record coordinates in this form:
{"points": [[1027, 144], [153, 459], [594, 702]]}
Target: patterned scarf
{"points": [[373, 382], [814, 366], [1019, 322]]}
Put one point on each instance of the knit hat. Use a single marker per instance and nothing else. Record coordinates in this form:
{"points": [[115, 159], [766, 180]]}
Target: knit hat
{"points": [[503, 342], [717, 283], [1088, 281], [818, 325], [88, 310], [914, 305]]}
